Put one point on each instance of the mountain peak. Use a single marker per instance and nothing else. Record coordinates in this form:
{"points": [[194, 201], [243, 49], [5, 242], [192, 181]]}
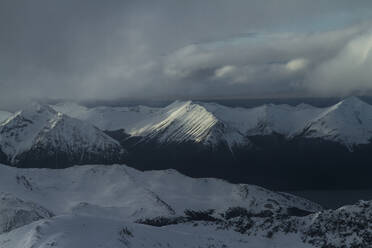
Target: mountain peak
{"points": [[40, 128], [350, 106], [179, 121], [347, 122], [352, 101]]}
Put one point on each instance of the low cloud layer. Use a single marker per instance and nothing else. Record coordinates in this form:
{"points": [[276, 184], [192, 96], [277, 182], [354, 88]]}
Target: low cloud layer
{"points": [[329, 63], [139, 49]]}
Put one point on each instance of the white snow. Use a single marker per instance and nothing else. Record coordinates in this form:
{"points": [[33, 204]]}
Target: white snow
{"points": [[131, 194], [96, 206], [70, 231], [348, 122], [41, 126], [94, 203], [15, 212]]}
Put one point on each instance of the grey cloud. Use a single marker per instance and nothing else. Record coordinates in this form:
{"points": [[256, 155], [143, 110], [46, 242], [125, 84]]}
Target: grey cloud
{"points": [[347, 72], [264, 63], [136, 49]]}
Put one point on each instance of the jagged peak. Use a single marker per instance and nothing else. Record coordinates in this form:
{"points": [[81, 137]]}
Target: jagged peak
{"points": [[179, 121], [36, 114], [352, 101], [40, 125], [182, 103], [350, 105], [184, 107], [185, 120]]}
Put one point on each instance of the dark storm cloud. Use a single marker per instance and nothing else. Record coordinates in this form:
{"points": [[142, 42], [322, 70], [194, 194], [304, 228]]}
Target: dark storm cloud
{"points": [[137, 49]]}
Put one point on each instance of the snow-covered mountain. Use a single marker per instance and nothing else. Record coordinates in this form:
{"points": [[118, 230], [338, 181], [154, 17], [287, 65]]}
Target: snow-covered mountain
{"points": [[178, 122], [40, 134], [264, 145], [347, 122], [268, 145], [117, 206]]}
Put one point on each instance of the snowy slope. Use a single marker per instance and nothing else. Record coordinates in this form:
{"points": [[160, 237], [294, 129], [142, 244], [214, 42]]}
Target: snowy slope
{"points": [[15, 212], [178, 122], [188, 121], [122, 192], [265, 119], [198, 115], [77, 232], [96, 206], [100, 206], [40, 128], [184, 121], [347, 122]]}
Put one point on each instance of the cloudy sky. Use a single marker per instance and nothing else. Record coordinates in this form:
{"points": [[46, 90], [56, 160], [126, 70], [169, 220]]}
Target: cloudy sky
{"points": [[94, 49]]}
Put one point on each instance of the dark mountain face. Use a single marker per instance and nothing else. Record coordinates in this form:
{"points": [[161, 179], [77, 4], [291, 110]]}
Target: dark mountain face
{"points": [[272, 161], [3, 158], [56, 159]]}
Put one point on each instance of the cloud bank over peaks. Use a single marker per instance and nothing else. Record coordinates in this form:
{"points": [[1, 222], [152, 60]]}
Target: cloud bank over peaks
{"points": [[102, 50], [328, 63]]}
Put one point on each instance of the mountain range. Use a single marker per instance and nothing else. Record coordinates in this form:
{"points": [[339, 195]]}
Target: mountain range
{"points": [[277, 146], [347, 122], [73, 188]]}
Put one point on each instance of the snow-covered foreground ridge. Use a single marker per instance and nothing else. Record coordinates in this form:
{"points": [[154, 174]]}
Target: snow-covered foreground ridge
{"points": [[127, 193], [348, 122], [117, 206]]}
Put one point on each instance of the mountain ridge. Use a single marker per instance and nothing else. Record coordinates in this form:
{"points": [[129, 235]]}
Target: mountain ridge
{"points": [[193, 121], [117, 206], [41, 130], [266, 145]]}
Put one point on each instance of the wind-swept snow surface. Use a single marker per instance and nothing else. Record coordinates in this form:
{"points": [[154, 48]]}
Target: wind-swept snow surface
{"points": [[116, 206], [77, 232], [126, 192]]}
